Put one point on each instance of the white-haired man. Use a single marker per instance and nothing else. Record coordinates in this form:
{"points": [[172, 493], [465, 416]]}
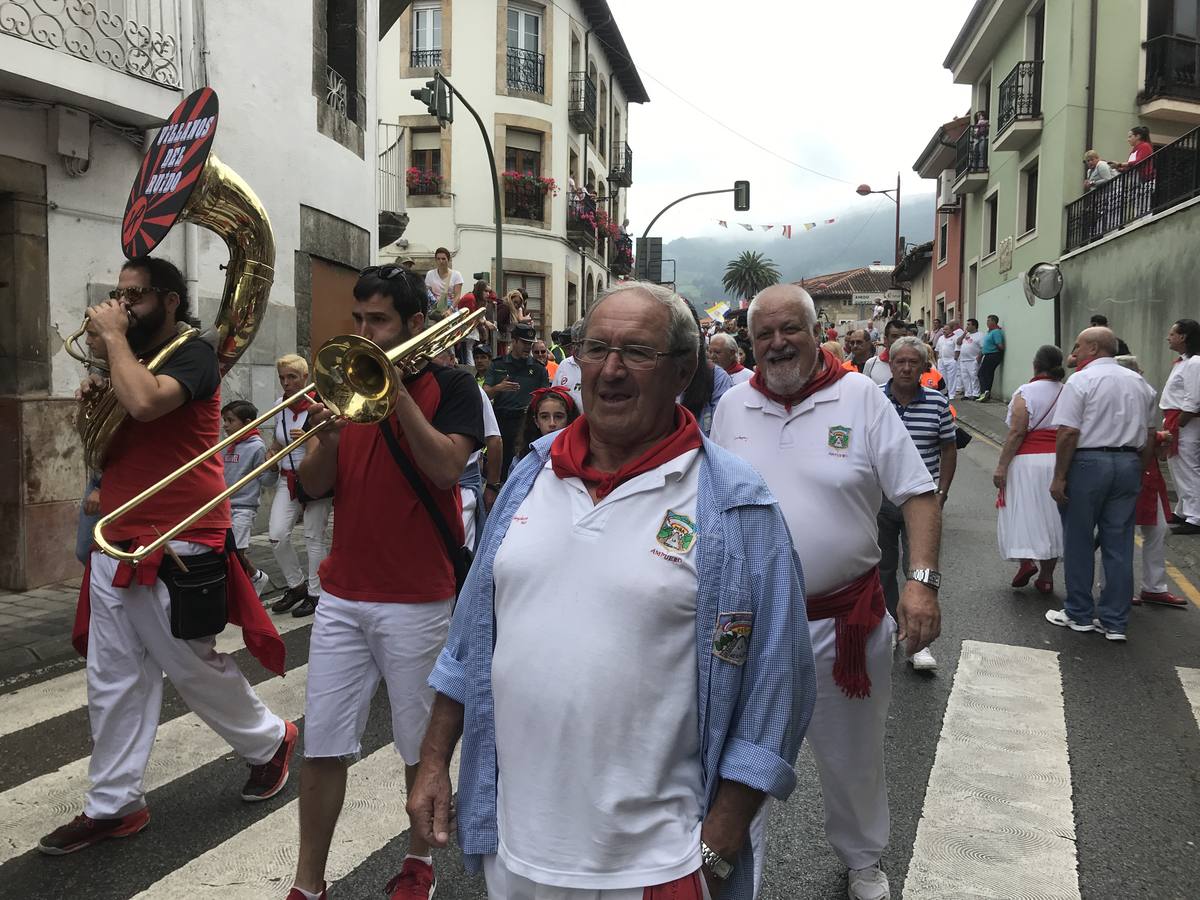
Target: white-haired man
{"points": [[568, 374], [677, 672], [723, 351], [828, 444]]}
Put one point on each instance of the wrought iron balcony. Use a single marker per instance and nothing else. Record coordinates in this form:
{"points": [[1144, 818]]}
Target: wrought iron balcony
{"points": [[391, 167], [137, 37], [425, 59], [970, 161], [343, 99], [1020, 111], [581, 218], [1172, 69], [526, 71], [1167, 177], [621, 256], [620, 171], [581, 107]]}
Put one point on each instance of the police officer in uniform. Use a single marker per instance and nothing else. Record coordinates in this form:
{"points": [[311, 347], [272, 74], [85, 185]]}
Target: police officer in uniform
{"points": [[510, 384]]}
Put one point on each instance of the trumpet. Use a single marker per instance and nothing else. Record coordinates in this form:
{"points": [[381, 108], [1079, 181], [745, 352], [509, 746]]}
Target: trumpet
{"points": [[353, 376]]}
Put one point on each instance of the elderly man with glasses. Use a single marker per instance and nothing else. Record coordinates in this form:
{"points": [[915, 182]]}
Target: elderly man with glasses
{"points": [[619, 739]]}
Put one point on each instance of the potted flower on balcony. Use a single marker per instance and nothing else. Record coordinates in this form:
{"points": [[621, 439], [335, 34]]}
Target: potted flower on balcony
{"points": [[420, 181]]}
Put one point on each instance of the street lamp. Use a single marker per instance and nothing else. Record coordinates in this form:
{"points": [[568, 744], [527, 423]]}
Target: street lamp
{"points": [[865, 189]]}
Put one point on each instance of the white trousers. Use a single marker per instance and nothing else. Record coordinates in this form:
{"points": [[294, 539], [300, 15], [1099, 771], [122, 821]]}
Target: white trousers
{"points": [[846, 737], [130, 648], [1154, 557], [949, 369], [1185, 471], [504, 885], [968, 376], [284, 513]]}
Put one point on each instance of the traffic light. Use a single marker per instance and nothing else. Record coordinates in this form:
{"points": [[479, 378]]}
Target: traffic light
{"points": [[437, 99], [741, 196]]}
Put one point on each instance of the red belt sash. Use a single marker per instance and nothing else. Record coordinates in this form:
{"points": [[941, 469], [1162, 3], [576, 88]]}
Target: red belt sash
{"points": [[245, 607], [1040, 440], [858, 607], [1171, 423], [685, 888]]}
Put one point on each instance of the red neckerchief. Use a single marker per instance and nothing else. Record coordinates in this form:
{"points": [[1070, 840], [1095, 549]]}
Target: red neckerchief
{"points": [[303, 403], [830, 371], [569, 453], [252, 433], [737, 367], [883, 356], [857, 607], [556, 391], [1080, 366], [1043, 377]]}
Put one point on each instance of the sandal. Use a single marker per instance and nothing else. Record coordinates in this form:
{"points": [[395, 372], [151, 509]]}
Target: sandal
{"points": [[1044, 586], [1027, 571]]}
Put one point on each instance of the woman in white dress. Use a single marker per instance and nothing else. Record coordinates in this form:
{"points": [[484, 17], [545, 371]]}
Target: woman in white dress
{"points": [[1030, 526]]}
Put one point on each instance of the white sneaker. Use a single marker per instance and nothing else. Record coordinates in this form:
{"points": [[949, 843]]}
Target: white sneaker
{"points": [[923, 661], [867, 884], [1109, 635], [262, 582], [1060, 618]]}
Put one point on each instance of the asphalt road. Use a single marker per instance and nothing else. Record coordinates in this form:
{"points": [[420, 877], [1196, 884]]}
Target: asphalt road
{"points": [[1130, 735]]}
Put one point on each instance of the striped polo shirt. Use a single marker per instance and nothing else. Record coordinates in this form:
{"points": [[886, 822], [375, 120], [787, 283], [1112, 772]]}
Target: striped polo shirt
{"points": [[929, 424]]}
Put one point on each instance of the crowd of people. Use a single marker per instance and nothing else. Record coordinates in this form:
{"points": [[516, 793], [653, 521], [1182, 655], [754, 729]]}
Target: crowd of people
{"points": [[659, 458]]}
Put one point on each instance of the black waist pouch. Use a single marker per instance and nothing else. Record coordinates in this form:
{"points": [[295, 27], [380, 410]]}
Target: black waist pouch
{"points": [[198, 596]]}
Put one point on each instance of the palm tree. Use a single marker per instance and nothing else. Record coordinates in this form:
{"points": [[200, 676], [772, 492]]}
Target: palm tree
{"points": [[749, 274]]}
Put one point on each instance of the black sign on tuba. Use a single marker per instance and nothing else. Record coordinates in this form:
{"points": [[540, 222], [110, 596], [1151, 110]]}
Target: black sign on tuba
{"points": [[169, 173]]}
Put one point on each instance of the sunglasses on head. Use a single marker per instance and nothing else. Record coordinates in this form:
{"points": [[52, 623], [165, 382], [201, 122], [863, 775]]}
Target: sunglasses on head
{"points": [[386, 271]]}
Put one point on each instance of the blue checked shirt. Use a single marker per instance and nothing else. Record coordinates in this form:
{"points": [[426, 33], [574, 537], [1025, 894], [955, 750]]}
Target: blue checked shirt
{"points": [[752, 717]]}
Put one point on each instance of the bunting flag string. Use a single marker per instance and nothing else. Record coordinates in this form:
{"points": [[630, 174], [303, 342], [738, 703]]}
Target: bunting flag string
{"points": [[784, 230]]}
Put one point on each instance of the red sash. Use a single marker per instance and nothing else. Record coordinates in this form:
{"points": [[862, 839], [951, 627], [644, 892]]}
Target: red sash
{"points": [[569, 453], [1152, 497], [1041, 440], [1171, 423], [858, 607], [686, 888]]}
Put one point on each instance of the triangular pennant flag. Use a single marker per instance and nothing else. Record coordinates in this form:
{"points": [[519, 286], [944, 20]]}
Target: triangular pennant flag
{"points": [[830, 221], [766, 227], [809, 226], [787, 231], [747, 226], [722, 223]]}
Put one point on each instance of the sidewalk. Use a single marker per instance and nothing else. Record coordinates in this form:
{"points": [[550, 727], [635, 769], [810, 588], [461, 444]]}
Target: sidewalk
{"points": [[987, 420], [35, 625]]}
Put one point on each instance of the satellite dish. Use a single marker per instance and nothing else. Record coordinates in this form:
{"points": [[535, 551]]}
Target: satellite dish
{"points": [[1043, 281]]}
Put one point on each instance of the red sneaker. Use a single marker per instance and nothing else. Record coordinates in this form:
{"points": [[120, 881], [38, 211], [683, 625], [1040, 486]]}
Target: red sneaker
{"points": [[268, 779], [83, 831], [415, 881], [1027, 571], [1166, 598], [294, 894]]}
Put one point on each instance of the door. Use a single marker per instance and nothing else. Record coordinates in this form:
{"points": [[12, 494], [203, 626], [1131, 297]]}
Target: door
{"points": [[332, 302]]}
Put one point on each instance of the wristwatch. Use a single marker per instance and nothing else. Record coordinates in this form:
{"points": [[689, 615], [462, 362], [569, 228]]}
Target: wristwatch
{"points": [[931, 578], [718, 865], [494, 486]]}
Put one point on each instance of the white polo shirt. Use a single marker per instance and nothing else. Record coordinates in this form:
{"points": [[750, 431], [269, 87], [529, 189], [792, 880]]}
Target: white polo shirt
{"points": [[829, 462], [971, 346], [491, 428], [946, 347], [285, 421], [738, 377], [1182, 390], [597, 734], [1110, 405], [570, 376], [878, 370]]}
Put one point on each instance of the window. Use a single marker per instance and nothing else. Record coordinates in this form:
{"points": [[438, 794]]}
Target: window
{"points": [[991, 222], [983, 96], [943, 237], [523, 154], [427, 36], [1173, 17], [602, 124], [1035, 34], [341, 54], [535, 287], [526, 64], [1027, 214], [426, 177]]}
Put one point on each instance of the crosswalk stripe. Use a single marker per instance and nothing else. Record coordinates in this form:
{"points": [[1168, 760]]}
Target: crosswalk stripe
{"points": [[259, 862], [1190, 679], [184, 744], [998, 819], [28, 706]]}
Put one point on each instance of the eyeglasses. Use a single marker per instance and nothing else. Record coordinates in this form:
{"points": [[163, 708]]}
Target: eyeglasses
{"points": [[133, 294], [633, 356], [385, 272]]}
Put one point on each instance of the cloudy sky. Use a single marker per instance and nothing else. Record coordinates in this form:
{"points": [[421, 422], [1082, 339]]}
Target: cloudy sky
{"points": [[852, 89]]}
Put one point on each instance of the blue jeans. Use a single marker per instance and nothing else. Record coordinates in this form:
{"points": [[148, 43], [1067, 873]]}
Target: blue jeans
{"points": [[1102, 492]]}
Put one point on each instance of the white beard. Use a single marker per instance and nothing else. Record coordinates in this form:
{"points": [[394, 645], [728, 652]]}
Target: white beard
{"points": [[786, 380]]}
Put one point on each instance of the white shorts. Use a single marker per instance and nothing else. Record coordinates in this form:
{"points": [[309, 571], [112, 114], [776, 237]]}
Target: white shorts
{"points": [[354, 644], [243, 522], [504, 885]]}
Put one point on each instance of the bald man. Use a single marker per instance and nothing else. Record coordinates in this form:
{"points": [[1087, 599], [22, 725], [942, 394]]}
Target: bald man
{"points": [[1105, 441]]}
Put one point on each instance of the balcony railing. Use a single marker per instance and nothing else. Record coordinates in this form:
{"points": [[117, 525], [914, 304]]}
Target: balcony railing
{"points": [[581, 217], [1172, 68], [424, 184], [1021, 94], [391, 168], [343, 99], [425, 59], [620, 172], [970, 153], [1169, 176], [137, 37], [581, 107], [621, 256], [526, 71], [524, 203]]}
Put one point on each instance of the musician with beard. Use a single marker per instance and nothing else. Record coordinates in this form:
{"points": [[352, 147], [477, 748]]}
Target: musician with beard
{"points": [[124, 624]]}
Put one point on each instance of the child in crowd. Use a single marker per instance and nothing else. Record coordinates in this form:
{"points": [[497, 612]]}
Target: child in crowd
{"points": [[551, 409], [240, 458]]}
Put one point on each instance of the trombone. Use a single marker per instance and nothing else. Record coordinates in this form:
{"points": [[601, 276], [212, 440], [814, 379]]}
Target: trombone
{"points": [[353, 376]]}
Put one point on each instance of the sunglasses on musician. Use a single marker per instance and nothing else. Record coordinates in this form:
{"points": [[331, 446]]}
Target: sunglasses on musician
{"points": [[133, 294]]}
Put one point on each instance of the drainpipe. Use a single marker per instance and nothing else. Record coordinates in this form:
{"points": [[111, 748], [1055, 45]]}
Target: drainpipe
{"points": [[587, 35], [1089, 128]]}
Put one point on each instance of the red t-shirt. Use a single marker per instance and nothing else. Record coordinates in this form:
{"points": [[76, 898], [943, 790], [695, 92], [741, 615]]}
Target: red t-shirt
{"points": [[467, 302], [386, 548]]}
